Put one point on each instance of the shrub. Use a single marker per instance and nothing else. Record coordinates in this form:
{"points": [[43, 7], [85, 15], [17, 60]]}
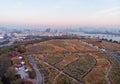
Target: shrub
{"points": [[32, 74]]}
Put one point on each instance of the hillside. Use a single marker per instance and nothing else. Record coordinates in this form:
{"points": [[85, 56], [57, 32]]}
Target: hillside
{"points": [[71, 62]]}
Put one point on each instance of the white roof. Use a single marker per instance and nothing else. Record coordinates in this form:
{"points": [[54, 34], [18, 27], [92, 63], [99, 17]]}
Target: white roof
{"points": [[26, 70], [22, 62], [16, 68], [20, 57]]}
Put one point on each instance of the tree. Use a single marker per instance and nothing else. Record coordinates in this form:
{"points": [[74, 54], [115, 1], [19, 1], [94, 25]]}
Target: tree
{"points": [[11, 73], [5, 61], [18, 81], [32, 74], [110, 40], [21, 49], [28, 82], [1, 81]]}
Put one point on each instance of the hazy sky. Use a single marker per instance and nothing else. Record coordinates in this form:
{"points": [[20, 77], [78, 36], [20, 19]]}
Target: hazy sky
{"points": [[60, 12]]}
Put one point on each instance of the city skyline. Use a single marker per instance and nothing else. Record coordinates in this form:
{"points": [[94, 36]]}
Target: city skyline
{"points": [[60, 12]]}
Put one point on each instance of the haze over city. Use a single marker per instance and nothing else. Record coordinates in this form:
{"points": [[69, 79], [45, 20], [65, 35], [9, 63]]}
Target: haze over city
{"points": [[59, 41], [60, 12]]}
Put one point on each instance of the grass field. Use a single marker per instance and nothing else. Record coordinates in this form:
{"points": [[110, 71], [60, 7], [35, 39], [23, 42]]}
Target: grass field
{"points": [[59, 46], [114, 73], [104, 44], [69, 61], [79, 67], [98, 74]]}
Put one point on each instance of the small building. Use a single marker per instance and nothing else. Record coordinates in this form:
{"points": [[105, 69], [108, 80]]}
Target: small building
{"points": [[20, 57], [103, 49], [96, 47], [26, 70], [22, 63]]}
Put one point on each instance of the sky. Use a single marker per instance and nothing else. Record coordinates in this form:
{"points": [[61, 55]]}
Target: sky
{"points": [[60, 12]]}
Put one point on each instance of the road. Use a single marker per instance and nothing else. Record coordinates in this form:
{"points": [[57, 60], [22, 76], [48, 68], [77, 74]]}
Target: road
{"points": [[8, 44], [39, 76], [22, 72], [115, 57]]}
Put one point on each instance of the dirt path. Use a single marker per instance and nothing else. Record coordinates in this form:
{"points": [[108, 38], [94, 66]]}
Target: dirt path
{"points": [[90, 69], [107, 74], [80, 82], [54, 81]]}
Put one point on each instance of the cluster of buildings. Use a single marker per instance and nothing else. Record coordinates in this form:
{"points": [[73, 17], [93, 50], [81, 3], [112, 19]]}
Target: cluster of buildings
{"points": [[21, 35], [19, 64], [1, 37]]}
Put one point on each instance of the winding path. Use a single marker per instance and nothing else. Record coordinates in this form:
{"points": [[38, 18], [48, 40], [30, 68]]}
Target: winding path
{"points": [[90, 69], [39, 76], [107, 74]]}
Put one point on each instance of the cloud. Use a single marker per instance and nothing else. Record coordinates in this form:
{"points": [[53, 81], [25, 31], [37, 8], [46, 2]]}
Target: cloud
{"points": [[111, 11], [111, 16]]}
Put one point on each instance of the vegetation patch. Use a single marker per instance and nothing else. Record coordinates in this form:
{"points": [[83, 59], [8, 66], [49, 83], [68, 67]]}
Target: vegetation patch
{"points": [[67, 59], [53, 59], [59, 43], [78, 68], [115, 73], [62, 79], [98, 73]]}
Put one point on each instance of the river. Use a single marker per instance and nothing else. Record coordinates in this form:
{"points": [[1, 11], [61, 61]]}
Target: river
{"points": [[100, 36]]}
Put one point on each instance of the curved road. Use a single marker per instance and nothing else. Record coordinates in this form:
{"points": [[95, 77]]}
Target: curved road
{"points": [[39, 76], [8, 44]]}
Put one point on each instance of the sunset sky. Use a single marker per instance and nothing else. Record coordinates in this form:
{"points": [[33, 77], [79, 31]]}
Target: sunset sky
{"points": [[60, 12]]}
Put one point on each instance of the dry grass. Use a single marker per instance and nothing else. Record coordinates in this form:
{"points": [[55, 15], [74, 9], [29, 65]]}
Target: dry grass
{"points": [[62, 79], [69, 56], [111, 46], [104, 44], [59, 46], [49, 73], [78, 68], [98, 73]]}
